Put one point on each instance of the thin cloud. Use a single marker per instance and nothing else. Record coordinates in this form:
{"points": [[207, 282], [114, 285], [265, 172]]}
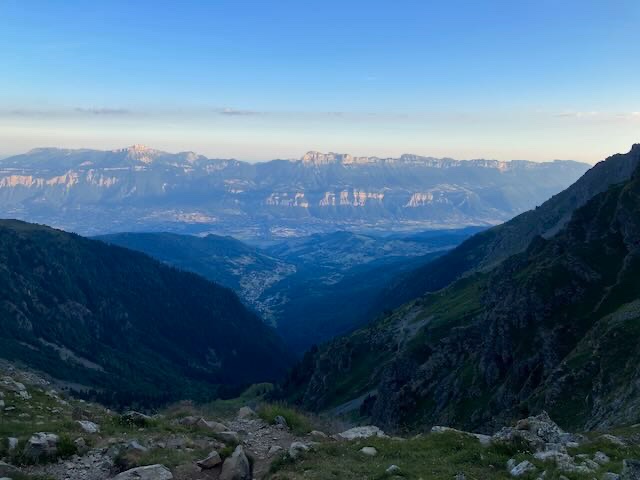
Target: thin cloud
{"points": [[233, 112], [103, 111]]}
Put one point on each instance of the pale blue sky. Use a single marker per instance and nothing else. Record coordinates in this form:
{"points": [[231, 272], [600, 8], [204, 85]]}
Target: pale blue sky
{"points": [[257, 80]]}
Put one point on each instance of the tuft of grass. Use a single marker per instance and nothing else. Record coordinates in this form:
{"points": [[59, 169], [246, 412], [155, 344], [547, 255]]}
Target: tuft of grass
{"points": [[299, 423]]}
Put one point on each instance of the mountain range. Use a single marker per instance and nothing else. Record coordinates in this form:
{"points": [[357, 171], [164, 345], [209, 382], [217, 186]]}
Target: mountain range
{"points": [[139, 188], [552, 326]]}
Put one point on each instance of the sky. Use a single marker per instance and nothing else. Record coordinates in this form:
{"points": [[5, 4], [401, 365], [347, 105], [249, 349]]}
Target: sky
{"points": [[257, 80]]}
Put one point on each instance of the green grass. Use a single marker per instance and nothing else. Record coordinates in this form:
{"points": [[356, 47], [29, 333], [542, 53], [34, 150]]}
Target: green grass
{"points": [[435, 457], [299, 423]]}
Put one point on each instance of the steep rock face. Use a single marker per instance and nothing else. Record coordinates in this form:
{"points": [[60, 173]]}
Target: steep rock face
{"points": [[484, 251], [555, 326], [119, 322], [80, 189]]}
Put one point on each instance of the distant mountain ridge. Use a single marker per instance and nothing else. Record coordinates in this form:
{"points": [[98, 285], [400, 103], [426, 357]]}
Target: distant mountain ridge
{"points": [[184, 192]]}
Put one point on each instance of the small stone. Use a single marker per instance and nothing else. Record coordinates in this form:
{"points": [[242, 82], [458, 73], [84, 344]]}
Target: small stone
{"points": [[212, 460], [369, 451]]}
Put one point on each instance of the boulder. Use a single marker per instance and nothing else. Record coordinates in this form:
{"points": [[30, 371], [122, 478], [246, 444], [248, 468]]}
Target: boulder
{"points": [[89, 427], [317, 435], [393, 470], [149, 472], [522, 468], [81, 445], [536, 431], [274, 450], [601, 458], [369, 451], [236, 467], [228, 436], [246, 412], [297, 448], [212, 460], [630, 470], [610, 476], [362, 432], [211, 425], [41, 445]]}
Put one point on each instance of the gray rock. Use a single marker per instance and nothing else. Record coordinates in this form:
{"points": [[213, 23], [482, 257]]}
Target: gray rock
{"points": [[630, 470], [613, 439], [88, 426], [236, 467], [149, 472], [211, 425], [212, 460], [12, 444], [610, 476], [134, 445], [522, 468], [81, 445], [274, 450], [246, 412], [41, 445], [281, 422], [297, 448], [362, 432], [601, 458], [369, 451], [317, 435], [228, 436]]}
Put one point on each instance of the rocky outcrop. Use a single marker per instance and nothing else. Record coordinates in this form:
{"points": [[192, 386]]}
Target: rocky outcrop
{"points": [[149, 472], [41, 445]]}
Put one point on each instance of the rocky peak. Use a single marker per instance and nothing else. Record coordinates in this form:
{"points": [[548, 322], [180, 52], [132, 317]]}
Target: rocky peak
{"points": [[141, 153], [319, 158]]}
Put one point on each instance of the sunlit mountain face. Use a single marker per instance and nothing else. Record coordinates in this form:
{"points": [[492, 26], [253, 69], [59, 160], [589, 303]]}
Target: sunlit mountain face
{"points": [[139, 188]]}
